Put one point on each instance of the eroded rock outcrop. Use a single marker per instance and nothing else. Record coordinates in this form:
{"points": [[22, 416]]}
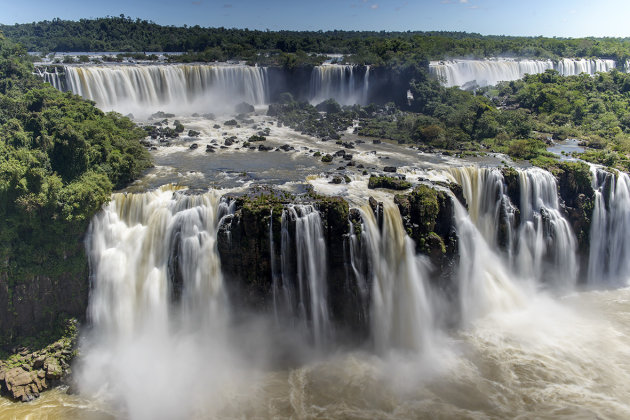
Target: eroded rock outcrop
{"points": [[250, 246], [25, 374], [427, 214], [576, 191]]}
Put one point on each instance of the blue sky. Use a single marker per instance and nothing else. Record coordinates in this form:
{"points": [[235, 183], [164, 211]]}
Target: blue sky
{"points": [[498, 17]]}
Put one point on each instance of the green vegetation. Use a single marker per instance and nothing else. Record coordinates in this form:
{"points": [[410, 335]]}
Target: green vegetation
{"points": [[293, 48], [60, 158], [517, 118], [421, 209], [388, 182], [594, 109]]}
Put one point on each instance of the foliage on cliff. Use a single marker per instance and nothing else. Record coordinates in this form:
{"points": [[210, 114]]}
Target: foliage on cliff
{"points": [[60, 158]]}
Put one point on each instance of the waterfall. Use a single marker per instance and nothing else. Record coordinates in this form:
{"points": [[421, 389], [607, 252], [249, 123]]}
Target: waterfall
{"points": [[573, 67], [488, 72], [401, 313], [158, 307], [147, 251], [54, 78], [541, 246], [148, 88], [609, 257], [339, 82], [366, 86], [547, 244], [301, 291], [485, 283]]}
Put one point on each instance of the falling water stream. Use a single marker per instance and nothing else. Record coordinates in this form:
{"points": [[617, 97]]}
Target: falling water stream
{"points": [[166, 341]]}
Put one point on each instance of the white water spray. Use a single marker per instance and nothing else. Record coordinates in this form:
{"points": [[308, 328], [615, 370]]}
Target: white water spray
{"points": [[489, 72], [148, 88], [339, 82], [609, 258]]}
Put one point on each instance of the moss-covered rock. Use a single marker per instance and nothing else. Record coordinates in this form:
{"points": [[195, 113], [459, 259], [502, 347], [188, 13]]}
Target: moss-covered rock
{"points": [[575, 188], [327, 158], [388, 182], [26, 373], [427, 215], [513, 188], [244, 243]]}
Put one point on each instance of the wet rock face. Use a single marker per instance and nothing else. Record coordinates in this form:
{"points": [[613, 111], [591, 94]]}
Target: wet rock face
{"points": [[24, 375], [576, 191], [427, 215], [243, 245], [245, 242]]}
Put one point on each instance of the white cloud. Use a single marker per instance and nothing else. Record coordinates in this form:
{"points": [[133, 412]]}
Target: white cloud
{"points": [[374, 6], [463, 1]]}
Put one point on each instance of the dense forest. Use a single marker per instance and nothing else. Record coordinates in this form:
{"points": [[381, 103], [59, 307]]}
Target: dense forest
{"points": [[286, 47], [60, 159]]}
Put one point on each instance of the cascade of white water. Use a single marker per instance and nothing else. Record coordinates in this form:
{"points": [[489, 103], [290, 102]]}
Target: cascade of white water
{"points": [[543, 246], [157, 299], [366, 86], [547, 244], [609, 258], [338, 82], [484, 193], [54, 78], [301, 289], [485, 283], [193, 87], [486, 72], [573, 67], [141, 246], [401, 313], [491, 71]]}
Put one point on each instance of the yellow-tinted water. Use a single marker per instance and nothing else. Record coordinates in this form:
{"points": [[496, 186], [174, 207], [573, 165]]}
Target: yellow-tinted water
{"points": [[551, 360]]}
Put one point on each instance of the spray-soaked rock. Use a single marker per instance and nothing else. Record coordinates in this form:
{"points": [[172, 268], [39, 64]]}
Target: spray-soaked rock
{"points": [[25, 374]]}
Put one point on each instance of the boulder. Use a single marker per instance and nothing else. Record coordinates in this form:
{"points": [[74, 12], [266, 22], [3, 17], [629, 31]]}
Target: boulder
{"points": [[39, 361], [388, 182], [22, 384], [286, 147], [52, 368], [244, 108]]}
